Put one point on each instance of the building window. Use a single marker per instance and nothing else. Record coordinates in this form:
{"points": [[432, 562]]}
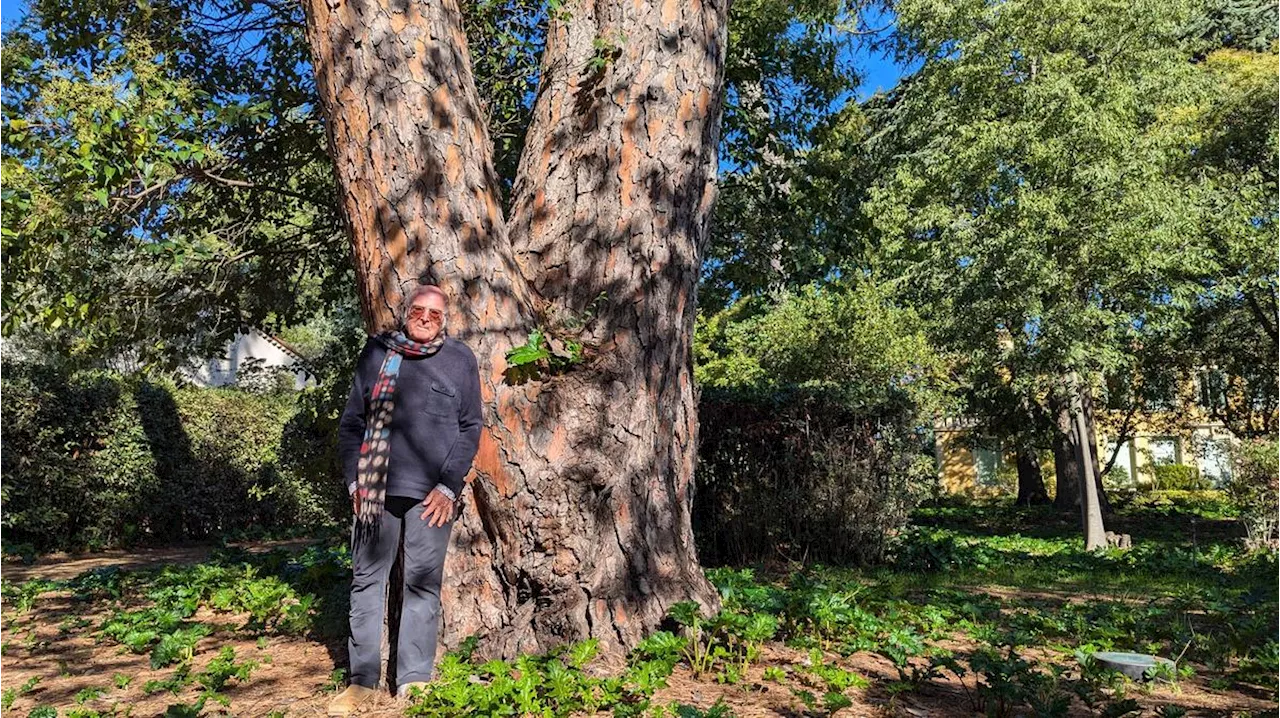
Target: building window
{"points": [[1165, 450], [1123, 466], [1213, 389], [1215, 462], [986, 459]]}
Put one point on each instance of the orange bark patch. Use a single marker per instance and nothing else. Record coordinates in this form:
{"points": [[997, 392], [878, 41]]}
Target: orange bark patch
{"points": [[418, 67], [559, 440], [399, 21], [497, 358], [442, 211], [394, 238], [452, 163], [565, 562], [704, 101], [491, 208], [627, 155], [540, 212], [620, 617], [670, 11], [513, 418], [684, 112], [442, 107], [489, 462]]}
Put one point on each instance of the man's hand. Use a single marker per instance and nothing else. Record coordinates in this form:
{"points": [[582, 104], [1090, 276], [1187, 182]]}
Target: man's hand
{"points": [[439, 509], [355, 502]]}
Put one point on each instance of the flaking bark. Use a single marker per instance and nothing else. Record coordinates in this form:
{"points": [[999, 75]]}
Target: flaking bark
{"points": [[577, 517]]}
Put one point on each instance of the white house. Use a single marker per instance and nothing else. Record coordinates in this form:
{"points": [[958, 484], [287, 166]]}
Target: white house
{"points": [[250, 347]]}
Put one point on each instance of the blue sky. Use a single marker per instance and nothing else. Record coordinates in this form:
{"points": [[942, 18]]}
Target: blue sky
{"points": [[880, 73], [11, 11]]}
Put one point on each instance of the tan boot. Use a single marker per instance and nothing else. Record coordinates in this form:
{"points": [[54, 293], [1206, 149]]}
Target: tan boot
{"points": [[346, 702], [405, 691]]}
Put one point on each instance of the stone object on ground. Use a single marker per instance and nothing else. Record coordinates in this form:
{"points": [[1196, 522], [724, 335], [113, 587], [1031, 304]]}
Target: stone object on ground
{"points": [[1119, 540]]}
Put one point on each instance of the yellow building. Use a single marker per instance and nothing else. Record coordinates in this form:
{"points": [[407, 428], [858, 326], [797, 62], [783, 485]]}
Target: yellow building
{"points": [[1175, 433]]}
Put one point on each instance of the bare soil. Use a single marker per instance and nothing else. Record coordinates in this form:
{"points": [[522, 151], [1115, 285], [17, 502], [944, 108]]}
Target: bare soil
{"points": [[62, 566]]}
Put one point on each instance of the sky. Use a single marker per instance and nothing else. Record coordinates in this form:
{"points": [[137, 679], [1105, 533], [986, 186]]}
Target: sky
{"points": [[880, 73], [11, 11]]}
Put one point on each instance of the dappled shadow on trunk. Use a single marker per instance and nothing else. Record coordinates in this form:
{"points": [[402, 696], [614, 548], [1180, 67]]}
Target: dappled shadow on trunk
{"points": [[579, 514]]}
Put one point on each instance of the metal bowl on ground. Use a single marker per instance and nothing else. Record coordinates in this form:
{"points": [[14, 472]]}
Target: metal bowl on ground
{"points": [[1138, 666]]}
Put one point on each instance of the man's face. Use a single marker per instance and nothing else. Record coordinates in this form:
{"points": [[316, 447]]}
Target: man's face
{"points": [[425, 319]]}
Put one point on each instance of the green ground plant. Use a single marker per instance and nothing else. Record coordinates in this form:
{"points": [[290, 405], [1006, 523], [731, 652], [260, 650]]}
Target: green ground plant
{"points": [[551, 684], [1006, 584]]}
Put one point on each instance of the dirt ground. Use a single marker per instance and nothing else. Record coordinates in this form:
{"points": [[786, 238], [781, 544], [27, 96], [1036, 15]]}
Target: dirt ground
{"points": [[53, 643], [61, 566]]}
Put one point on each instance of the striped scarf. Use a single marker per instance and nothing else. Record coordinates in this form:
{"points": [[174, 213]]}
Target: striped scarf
{"points": [[375, 450]]}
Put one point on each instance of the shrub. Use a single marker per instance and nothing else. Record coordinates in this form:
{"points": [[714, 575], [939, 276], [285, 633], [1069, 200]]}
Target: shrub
{"points": [[796, 473], [811, 413], [110, 460], [1253, 487], [1178, 477], [846, 340], [1208, 503], [1117, 479]]}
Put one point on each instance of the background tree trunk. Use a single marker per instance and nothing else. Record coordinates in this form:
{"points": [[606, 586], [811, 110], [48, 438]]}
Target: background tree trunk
{"points": [[1066, 462], [1090, 506], [1031, 491], [1086, 403], [578, 523]]}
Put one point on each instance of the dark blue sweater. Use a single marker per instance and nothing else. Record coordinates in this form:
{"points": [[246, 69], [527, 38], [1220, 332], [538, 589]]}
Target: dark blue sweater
{"points": [[435, 425]]}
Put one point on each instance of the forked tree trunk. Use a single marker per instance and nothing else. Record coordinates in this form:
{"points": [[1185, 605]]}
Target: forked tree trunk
{"points": [[577, 522]]}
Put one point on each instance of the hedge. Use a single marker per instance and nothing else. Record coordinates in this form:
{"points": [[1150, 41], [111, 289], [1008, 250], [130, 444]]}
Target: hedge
{"points": [[95, 459]]}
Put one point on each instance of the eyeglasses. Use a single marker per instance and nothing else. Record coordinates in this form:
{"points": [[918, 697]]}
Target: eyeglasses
{"points": [[432, 314]]}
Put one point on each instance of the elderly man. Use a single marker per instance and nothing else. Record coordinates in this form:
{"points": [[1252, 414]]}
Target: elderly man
{"points": [[406, 438]]}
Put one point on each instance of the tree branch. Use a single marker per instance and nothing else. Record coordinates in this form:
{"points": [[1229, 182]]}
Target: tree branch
{"points": [[243, 184]]}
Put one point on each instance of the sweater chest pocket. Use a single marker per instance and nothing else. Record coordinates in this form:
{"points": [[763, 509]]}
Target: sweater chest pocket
{"points": [[442, 400]]}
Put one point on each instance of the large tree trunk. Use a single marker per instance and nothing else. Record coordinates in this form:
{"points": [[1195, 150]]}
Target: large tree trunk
{"points": [[579, 519]]}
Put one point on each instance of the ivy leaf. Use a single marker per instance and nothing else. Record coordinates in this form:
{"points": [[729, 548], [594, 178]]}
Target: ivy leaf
{"points": [[530, 353], [526, 354]]}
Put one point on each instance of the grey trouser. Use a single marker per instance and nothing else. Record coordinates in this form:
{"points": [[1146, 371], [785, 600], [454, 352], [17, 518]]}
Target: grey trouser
{"points": [[371, 560]]}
